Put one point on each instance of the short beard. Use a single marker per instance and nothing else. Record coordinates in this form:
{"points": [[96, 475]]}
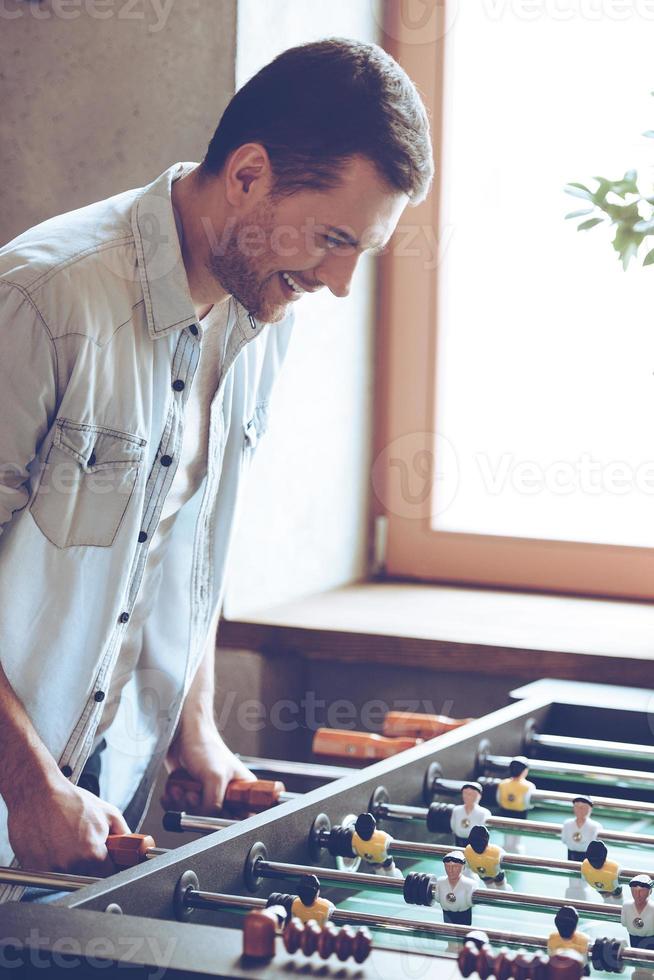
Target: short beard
{"points": [[235, 270]]}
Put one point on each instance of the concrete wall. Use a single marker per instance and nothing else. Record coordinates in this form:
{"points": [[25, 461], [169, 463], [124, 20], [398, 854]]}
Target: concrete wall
{"points": [[98, 99], [305, 520]]}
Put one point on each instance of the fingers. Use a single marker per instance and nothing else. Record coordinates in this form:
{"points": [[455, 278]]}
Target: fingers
{"points": [[213, 793], [242, 772], [117, 822]]}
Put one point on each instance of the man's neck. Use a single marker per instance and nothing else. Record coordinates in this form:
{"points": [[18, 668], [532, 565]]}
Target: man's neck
{"points": [[194, 204]]}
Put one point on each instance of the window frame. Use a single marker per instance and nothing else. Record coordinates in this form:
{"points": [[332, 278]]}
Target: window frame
{"points": [[405, 397]]}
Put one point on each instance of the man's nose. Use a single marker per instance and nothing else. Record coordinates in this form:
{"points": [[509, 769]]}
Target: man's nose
{"points": [[336, 271]]}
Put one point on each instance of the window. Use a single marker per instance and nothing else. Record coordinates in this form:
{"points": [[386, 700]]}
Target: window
{"points": [[517, 446]]}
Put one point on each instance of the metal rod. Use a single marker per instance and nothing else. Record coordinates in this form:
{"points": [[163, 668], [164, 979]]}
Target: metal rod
{"points": [[213, 900], [452, 787], [523, 862], [528, 828], [52, 880], [594, 746], [308, 769], [283, 871], [575, 770], [202, 825]]}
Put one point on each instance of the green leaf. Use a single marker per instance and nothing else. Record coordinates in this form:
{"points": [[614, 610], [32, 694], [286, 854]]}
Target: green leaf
{"points": [[585, 225], [626, 242], [649, 258], [578, 190], [579, 214]]}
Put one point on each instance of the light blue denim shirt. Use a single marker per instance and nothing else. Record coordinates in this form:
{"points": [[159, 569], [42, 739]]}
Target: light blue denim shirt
{"points": [[97, 334]]}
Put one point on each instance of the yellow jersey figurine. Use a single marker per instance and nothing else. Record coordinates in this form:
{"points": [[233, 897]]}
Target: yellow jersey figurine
{"points": [[566, 935], [308, 904], [484, 858], [372, 845], [514, 792], [600, 873]]}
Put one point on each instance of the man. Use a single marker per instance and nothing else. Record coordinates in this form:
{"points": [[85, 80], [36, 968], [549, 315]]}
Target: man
{"points": [[454, 890], [374, 846], [468, 814], [485, 859], [566, 936], [600, 872], [637, 913], [580, 830], [514, 792], [139, 341]]}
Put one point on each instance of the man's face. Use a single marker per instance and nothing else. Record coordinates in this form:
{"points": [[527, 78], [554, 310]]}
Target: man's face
{"points": [[639, 894], [582, 811], [453, 870], [296, 235], [469, 796]]}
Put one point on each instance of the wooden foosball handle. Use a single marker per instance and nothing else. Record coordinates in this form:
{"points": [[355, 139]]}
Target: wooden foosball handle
{"points": [[340, 744], [127, 850], [241, 794], [416, 725]]}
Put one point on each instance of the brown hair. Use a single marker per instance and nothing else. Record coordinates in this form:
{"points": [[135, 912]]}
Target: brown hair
{"points": [[316, 106]]}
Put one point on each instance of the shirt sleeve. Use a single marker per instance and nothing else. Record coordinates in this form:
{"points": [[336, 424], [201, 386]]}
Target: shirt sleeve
{"points": [[28, 394]]}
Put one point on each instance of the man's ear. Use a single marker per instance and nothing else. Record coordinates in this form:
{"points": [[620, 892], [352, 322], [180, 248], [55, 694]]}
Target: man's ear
{"points": [[248, 175]]}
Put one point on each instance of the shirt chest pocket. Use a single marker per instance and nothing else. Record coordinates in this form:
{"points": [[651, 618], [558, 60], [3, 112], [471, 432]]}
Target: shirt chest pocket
{"points": [[86, 485]]}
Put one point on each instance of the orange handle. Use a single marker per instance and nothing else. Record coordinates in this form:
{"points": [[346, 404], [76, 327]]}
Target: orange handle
{"points": [[358, 745], [241, 794], [420, 726], [127, 850]]}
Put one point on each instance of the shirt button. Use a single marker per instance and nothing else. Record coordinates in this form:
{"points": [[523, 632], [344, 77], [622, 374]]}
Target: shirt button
{"points": [[124, 616], [193, 329], [99, 695], [178, 385], [166, 460], [66, 771], [142, 537]]}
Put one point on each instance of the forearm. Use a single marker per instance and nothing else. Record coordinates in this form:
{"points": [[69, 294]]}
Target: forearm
{"points": [[198, 705], [24, 757]]}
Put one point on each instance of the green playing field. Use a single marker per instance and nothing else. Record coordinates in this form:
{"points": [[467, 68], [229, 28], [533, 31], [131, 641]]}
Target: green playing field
{"points": [[513, 919]]}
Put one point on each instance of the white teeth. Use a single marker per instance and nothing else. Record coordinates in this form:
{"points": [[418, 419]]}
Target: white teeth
{"points": [[292, 283]]}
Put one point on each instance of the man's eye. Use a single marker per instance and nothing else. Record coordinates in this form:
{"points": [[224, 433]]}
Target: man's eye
{"points": [[333, 242]]}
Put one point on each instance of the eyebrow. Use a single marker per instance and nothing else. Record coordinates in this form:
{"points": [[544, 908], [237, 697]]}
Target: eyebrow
{"points": [[352, 241]]}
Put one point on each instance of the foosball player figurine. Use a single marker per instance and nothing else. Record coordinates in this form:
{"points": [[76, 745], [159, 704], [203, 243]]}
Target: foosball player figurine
{"points": [[514, 792], [637, 915], [308, 904], [468, 814], [600, 873], [485, 859], [372, 845], [454, 890], [566, 936], [578, 832]]}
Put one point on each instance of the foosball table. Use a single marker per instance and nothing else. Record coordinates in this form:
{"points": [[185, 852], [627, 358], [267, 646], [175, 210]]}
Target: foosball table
{"points": [[444, 860]]}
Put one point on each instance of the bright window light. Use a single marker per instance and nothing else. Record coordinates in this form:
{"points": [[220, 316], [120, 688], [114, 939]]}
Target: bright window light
{"points": [[545, 362]]}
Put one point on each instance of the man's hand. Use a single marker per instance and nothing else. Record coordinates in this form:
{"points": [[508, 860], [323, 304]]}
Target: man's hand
{"points": [[56, 826], [201, 751]]}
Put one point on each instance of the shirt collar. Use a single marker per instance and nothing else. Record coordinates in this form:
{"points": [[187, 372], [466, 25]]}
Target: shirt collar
{"points": [[156, 227]]}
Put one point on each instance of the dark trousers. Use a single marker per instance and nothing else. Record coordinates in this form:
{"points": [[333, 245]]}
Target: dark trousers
{"points": [[576, 855], [463, 918]]}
